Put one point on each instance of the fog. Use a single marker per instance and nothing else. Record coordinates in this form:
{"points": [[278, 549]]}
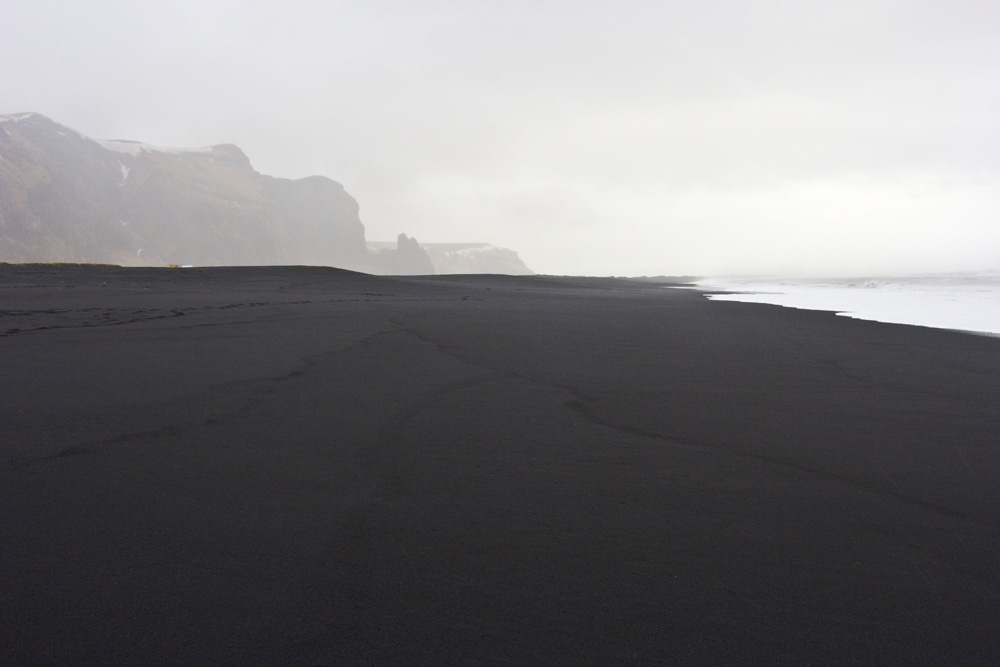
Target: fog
{"points": [[636, 138]]}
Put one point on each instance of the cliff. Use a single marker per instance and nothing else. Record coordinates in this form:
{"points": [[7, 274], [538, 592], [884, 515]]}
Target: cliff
{"points": [[67, 198]]}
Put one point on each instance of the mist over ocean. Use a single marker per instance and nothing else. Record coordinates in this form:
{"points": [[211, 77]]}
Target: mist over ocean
{"points": [[962, 301]]}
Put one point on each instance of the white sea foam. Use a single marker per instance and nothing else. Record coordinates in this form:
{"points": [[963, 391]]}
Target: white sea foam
{"points": [[963, 301]]}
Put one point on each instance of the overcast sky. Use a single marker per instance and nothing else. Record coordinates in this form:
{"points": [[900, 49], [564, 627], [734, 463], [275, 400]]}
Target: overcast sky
{"points": [[593, 137]]}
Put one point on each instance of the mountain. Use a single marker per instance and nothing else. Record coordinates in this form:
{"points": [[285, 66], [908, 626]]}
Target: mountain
{"points": [[67, 198]]}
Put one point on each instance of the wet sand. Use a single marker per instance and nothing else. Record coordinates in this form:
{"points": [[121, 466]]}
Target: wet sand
{"points": [[303, 466]]}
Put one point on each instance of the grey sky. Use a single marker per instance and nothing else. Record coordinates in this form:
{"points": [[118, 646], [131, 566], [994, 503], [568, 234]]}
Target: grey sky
{"points": [[592, 137]]}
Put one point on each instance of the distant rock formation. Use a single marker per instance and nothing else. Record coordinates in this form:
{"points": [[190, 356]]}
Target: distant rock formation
{"points": [[475, 258], [67, 198], [466, 257], [407, 258]]}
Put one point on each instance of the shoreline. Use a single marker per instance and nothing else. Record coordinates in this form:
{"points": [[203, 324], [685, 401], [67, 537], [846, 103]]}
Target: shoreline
{"points": [[956, 302]]}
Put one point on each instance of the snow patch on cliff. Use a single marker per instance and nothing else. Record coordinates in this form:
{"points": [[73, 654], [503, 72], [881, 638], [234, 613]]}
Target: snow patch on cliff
{"points": [[136, 147]]}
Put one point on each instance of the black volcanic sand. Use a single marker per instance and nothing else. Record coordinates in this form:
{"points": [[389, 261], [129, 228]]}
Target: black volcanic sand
{"points": [[305, 466]]}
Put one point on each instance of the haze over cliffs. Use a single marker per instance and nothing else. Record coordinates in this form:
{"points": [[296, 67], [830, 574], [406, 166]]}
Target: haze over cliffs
{"points": [[67, 198]]}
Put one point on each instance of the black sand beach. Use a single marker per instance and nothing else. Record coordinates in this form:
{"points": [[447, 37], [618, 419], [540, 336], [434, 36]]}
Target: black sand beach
{"points": [[303, 466]]}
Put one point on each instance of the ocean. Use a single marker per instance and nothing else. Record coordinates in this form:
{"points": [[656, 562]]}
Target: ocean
{"points": [[961, 301]]}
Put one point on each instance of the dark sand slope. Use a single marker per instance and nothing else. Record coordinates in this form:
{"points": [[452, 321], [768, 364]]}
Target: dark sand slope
{"points": [[312, 467]]}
